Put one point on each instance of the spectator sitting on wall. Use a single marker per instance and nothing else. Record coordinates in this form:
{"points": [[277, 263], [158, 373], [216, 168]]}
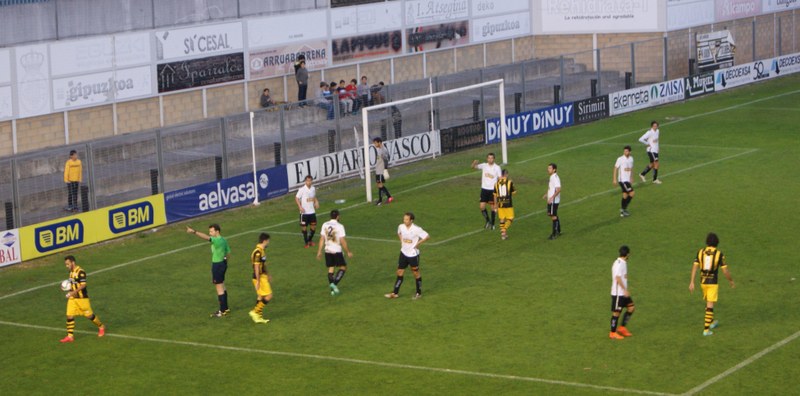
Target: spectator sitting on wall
{"points": [[345, 100], [266, 100], [363, 92], [352, 90], [377, 93]]}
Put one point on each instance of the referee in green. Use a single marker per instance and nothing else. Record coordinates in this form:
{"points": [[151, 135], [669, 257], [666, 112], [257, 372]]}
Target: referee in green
{"points": [[219, 264]]}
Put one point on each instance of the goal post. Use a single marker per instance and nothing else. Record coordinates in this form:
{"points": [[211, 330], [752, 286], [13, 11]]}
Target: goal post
{"points": [[365, 111]]}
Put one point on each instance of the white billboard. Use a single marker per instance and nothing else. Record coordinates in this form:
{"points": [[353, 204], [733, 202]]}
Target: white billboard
{"points": [[595, 16], [289, 28], [482, 8], [348, 162], [9, 248], [646, 96], [426, 12], [683, 14], [33, 74], [199, 41], [743, 74], [6, 106], [779, 5], [500, 27], [82, 56], [132, 49], [5, 66], [368, 18], [103, 87]]}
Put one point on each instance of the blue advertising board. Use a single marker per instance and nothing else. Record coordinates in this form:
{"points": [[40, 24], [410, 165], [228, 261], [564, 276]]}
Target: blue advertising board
{"points": [[531, 122], [226, 193]]}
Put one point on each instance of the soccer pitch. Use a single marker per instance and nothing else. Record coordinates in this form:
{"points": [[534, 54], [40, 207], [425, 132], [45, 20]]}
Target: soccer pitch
{"points": [[520, 316]]}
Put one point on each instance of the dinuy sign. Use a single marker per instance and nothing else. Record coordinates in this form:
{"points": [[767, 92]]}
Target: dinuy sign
{"points": [[531, 122], [348, 162], [193, 73]]}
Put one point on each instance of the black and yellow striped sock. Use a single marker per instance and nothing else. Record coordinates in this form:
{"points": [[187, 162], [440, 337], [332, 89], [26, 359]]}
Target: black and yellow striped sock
{"points": [[96, 321], [70, 327], [259, 307], [709, 318]]}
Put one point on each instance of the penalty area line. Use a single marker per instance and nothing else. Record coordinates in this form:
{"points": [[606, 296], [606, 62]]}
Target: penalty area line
{"points": [[742, 364], [351, 360]]}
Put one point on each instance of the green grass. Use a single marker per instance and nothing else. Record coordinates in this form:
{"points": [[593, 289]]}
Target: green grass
{"points": [[517, 310]]}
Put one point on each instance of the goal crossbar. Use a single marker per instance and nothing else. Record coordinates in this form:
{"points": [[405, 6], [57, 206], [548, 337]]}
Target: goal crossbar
{"points": [[364, 120]]}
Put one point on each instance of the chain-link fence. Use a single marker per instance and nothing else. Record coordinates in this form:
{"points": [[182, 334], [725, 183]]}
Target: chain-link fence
{"points": [[121, 168]]}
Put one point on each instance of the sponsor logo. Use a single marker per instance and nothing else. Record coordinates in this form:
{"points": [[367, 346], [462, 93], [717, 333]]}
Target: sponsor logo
{"points": [[761, 71], [667, 90], [9, 248], [531, 122], [229, 195], [785, 64], [592, 109], [699, 85], [59, 235], [131, 217], [633, 98]]}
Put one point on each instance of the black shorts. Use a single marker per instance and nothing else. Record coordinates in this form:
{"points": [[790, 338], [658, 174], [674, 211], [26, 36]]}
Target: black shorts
{"points": [[626, 186], [218, 272], [653, 156], [619, 302], [552, 209], [308, 219], [487, 195], [404, 262], [335, 260], [379, 178]]}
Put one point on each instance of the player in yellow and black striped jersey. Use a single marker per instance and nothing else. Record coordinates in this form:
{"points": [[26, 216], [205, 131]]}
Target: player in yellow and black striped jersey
{"points": [[709, 260], [258, 258], [78, 300], [504, 191]]}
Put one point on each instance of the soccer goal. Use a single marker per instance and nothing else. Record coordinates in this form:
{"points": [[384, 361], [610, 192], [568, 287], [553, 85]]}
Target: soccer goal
{"points": [[410, 128]]}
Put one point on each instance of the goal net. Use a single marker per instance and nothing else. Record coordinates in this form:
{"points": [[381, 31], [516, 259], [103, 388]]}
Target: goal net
{"points": [[411, 128]]}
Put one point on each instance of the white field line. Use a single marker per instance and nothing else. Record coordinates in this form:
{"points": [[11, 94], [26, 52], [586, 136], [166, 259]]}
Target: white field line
{"points": [[590, 196], [413, 189], [348, 237], [687, 118], [681, 146], [742, 364], [350, 360]]}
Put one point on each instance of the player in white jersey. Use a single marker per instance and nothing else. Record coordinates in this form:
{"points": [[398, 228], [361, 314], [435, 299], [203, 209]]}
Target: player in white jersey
{"points": [[490, 172], [620, 295], [553, 197], [306, 200], [650, 139], [411, 236], [332, 239], [623, 168]]}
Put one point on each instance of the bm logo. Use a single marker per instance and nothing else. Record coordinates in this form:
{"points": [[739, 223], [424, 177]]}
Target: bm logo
{"points": [[59, 235], [130, 217]]}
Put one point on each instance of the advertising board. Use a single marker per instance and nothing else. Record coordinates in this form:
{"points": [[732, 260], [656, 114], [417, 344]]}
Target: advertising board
{"points": [[531, 122]]}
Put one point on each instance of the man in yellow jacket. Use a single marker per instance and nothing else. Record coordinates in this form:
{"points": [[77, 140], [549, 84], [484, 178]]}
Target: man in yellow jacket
{"points": [[73, 171]]}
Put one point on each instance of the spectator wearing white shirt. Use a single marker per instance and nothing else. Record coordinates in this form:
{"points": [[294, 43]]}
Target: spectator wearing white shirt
{"points": [[650, 139], [411, 236]]}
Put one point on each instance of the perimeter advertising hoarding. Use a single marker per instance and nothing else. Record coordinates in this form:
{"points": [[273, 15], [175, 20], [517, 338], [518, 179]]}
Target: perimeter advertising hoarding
{"points": [[726, 10], [501, 27], [715, 50], [593, 16], [531, 122], [779, 5], [99, 88], [699, 84], [287, 28], [646, 96], [362, 19], [199, 41], [346, 163], [201, 72], [689, 13], [33, 80], [91, 227], [10, 252], [591, 109], [225, 194], [420, 12]]}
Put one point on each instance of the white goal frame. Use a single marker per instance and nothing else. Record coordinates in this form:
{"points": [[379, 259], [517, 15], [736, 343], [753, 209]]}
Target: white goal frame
{"points": [[365, 122]]}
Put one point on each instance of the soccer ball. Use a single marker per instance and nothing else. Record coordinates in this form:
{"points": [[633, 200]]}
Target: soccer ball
{"points": [[66, 285]]}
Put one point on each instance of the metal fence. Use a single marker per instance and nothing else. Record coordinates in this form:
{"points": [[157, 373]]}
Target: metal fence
{"points": [[60, 19], [121, 168]]}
